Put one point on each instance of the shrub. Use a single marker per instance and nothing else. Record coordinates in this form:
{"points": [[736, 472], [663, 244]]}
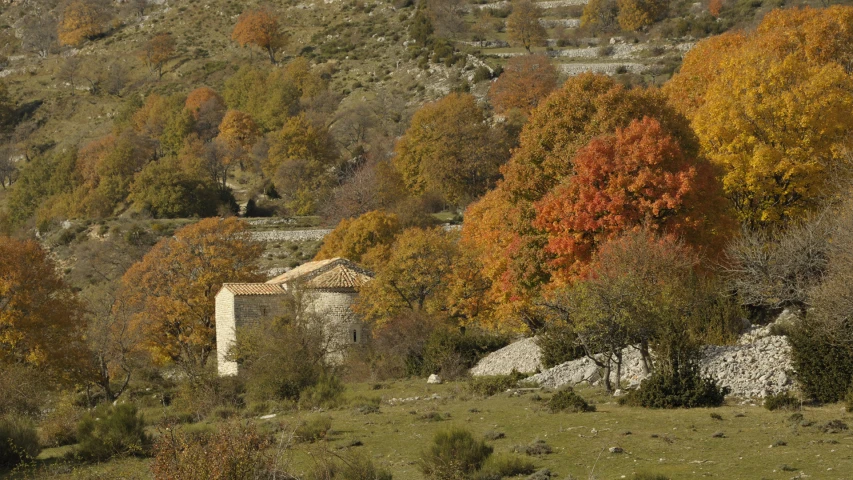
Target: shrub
{"points": [[359, 467], [452, 352], [782, 401], [824, 368], [493, 384], [210, 393], [282, 359], [454, 454], [18, 441], [501, 466], [682, 388], [23, 390], [314, 429], [536, 447], [232, 452], [59, 427], [481, 73], [325, 393], [109, 431], [568, 400], [558, 344], [833, 426]]}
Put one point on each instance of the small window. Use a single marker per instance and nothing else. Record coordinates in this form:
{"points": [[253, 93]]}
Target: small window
{"points": [[355, 336], [263, 311]]}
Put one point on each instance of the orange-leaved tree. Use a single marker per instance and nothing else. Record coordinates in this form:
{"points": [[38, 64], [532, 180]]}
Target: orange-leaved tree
{"points": [[523, 27], [41, 321], [157, 51], [500, 225], [81, 20], [639, 178], [201, 96], [526, 81], [259, 27], [171, 290]]}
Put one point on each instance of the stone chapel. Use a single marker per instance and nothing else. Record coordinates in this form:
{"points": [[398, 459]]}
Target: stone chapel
{"points": [[332, 286]]}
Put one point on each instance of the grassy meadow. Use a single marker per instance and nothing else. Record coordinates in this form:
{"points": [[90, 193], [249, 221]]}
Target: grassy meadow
{"points": [[739, 440]]}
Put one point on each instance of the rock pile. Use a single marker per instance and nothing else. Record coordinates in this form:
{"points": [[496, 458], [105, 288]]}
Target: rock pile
{"points": [[756, 369], [585, 370], [759, 365], [523, 356]]}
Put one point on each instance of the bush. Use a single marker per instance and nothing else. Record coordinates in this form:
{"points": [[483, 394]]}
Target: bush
{"points": [[501, 466], [536, 447], [18, 441], [481, 73], [314, 429], [210, 393], [824, 369], [452, 352], [454, 454], [493, 384], [282, 359], [682, 388], [558, 344], [359, 467], [325, 393], [649, 476], [109, 431], [568, 400], [782, 401], [24, 390], [232, 452], [59, 427]]}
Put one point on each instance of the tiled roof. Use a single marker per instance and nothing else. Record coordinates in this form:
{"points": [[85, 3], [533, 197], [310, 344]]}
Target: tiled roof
{"points": [[253, 288], [333, 273], [339, 276], [301, 270]]}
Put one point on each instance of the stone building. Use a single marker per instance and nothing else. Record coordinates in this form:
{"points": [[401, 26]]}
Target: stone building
{"points": [[329, 285]]}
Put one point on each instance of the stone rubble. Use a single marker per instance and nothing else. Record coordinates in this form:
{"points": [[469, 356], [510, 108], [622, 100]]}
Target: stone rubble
{"points": [[523, 356], [757, 366]]}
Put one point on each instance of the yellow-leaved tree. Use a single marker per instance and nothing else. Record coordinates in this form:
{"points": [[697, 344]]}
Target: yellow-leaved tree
{"points": [[81, 20], [777, 113], [354, 238], [450, 149]]}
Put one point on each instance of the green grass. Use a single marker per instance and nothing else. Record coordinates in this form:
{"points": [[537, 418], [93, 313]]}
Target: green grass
{"points": [[674, 443]]}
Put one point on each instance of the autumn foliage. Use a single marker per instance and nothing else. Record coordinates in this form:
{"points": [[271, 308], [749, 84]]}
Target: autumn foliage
{"points": [[41, 322], [773, 109], [259, 27], [81, 20], [450, 149], [523, 27], [637, 178], [199, 97], [354, 238], [171, 291], [526, 81]]}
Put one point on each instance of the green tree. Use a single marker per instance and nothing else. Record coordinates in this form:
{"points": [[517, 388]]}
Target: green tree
{"points": [[450, 149]]}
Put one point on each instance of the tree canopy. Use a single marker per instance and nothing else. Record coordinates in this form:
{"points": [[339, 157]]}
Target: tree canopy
{"points": [[171, 291]]}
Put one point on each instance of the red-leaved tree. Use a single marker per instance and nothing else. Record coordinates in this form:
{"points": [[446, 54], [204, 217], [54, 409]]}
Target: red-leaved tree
{"points": [[638, 178]]}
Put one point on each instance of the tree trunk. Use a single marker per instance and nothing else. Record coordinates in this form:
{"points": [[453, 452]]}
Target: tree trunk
{"points": [[646, 357], [607, 386]]}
